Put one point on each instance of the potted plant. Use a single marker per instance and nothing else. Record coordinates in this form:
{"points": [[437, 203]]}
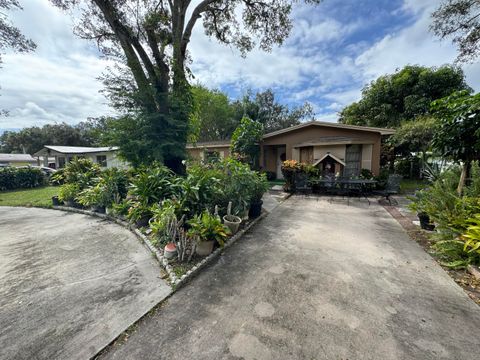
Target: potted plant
{"points": [[93, 197], [259, 186], [139, 214], [208, 230], [419, 205], [231, 221], [67, 194], [55, 201]]}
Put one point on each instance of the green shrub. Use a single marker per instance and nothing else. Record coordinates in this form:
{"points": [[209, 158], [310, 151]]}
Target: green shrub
{"points": [[472, 237], [80, 171], [20, 178], [409, 167], [58, 178], [7, 178], [153, 184], [201, 189], [366, 174], [207, 227], [451, 253], [68, 192]]}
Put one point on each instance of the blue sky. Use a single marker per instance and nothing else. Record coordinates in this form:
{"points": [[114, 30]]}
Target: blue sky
{"points": [[335, 49]]}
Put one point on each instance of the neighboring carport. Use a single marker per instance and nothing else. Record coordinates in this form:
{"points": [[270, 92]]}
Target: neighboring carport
{"points": [[69, 283]]}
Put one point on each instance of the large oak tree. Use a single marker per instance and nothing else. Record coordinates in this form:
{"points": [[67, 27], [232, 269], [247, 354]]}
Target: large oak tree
{"points": [[151, 38]]}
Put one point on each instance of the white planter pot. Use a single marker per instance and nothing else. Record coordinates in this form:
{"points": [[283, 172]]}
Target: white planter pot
{"points": [[204, 248], [232, 222]]}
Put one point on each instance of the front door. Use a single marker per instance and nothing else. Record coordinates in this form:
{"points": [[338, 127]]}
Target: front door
{"points": [[281, 157]]}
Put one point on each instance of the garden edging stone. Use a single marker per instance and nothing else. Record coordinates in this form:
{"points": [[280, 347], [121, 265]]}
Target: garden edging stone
{"points": [[175, 282]]}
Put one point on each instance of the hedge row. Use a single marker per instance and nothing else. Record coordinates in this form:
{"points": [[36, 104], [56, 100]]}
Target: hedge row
{"points": [[18, 178]]}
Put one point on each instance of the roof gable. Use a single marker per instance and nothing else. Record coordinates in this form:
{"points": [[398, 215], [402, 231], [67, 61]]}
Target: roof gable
{"points": [[382, 131]]}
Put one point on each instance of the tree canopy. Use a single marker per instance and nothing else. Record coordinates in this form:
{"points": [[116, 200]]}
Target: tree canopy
{"points": [[415, 136], [30, 140], [10, 36], [215, 116], [246, 139], [403, 96], [271, 114], [458, 135], [150, 39], [460, 21]]}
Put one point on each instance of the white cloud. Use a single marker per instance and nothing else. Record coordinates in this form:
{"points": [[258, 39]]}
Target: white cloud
{"points": [[326, 61], [58, 81]]}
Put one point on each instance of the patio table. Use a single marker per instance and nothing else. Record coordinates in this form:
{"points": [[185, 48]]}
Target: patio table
{"points": [[347, 186]]}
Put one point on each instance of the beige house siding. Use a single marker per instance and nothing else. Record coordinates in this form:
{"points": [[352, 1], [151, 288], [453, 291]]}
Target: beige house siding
{"points": [[323, 137], [198, 152], [337, 150], [291, 139]]}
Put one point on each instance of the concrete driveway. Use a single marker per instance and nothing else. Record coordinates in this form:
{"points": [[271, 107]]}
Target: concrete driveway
{"points": [[69, 283], [315, 280]]}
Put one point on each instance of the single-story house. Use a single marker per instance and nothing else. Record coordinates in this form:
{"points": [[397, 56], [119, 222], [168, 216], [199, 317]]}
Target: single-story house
{"points": [[205, 150], [333, 147], [104, 156], [17, 160]]}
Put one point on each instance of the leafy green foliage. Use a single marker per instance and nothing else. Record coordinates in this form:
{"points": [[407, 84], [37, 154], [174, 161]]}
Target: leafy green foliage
{"points": [[414, 136], [208, 227], [472, 237], [32, 139], [403, 96], [68, 192], [18, 178], [458, 134], [213, 115], [153, 184], [264, 108], [81, 171], [456, 217], [458, 19], [110, 189], [246, 139]]}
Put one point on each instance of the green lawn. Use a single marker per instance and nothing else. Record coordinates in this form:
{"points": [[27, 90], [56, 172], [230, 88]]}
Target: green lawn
{"points": [[409, 186], [39, 197]]}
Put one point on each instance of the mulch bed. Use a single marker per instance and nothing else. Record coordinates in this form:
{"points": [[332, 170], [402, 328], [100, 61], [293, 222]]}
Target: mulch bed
{"points": [[462, 277]]}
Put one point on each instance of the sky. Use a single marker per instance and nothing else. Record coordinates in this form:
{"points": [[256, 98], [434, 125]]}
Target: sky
{"points": [[334, 50]]}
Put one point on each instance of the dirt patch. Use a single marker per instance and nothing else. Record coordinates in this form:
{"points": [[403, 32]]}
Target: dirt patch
{"points": [[462, 277]]}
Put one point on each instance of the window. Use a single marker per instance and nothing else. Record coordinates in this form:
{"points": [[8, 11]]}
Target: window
{"points": [[61, 162], [353, 160], [102, 160]]}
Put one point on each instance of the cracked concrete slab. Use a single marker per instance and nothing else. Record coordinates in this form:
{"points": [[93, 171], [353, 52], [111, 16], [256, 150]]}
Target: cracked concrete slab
{"points": [[315, 280], [69, 283]]}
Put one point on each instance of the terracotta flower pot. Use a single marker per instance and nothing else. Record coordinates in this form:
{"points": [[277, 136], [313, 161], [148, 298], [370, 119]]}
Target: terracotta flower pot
{"points": [[204, 248], [170, 251], [232, 222]]}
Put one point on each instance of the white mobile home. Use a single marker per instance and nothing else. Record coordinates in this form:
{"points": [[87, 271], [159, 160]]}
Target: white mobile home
{"points": [[104, 156]]}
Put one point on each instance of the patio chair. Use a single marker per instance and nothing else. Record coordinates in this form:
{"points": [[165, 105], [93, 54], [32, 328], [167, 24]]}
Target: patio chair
{"points": [[301, 184], [392, 187]]}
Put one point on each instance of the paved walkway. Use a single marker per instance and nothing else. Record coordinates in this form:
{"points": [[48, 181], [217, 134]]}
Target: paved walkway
{"points": [[69, 283], [315, 280]]}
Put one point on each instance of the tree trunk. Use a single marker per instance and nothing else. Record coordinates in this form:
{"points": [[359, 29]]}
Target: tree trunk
{"points": [[463, 176]]}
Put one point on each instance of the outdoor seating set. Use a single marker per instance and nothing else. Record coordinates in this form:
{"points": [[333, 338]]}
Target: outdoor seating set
{"points": [[347, 187]]}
